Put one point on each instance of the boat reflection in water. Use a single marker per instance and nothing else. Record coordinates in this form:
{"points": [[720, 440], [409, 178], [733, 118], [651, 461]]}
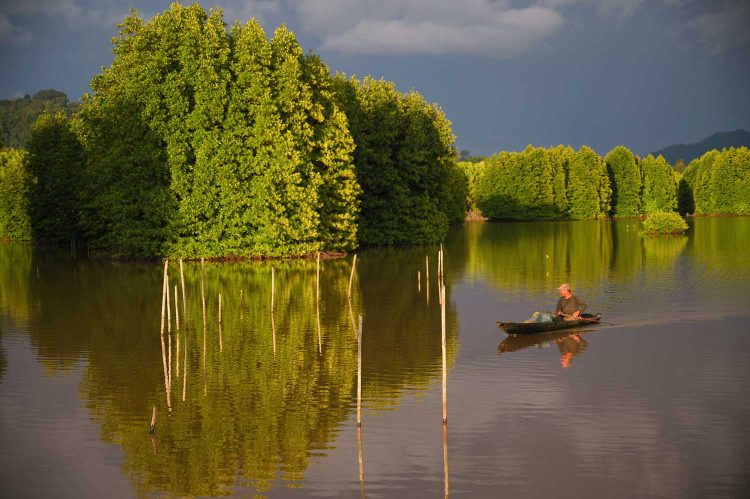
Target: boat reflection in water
{"points": [[569, 343]]}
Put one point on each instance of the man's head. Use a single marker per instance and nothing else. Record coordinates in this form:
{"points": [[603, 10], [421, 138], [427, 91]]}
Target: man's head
{"points": [[564, 290]]}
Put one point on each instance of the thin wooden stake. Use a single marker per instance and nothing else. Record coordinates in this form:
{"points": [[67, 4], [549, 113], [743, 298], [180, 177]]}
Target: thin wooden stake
{"points": [[184, 298], [419, 281], [219, 308], [169, 309], [359, 374], [176, 309], [427, 277], [152, 427], [163, 295], [164, 298], [351, 277]]}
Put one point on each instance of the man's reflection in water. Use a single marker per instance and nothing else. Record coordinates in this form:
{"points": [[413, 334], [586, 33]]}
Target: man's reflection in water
{"points": [[570, 346]]}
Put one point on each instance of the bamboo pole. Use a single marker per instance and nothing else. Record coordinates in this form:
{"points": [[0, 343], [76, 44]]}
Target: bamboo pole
{"points": [[351, 276], [427, 277], [359, 374], [317, 304], [184, 296], [152, 427], [164, 298], [176, 309], [169, 309], [221, 340], [163, 295]]}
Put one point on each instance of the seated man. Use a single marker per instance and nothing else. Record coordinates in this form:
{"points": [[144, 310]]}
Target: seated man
{"points": [[568, 306]]}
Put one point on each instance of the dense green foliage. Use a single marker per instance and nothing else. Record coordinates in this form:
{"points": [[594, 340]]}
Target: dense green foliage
{"points": [[54, 179], [540, 183], [516, 186], [14, 214], [18, 115], [718, 183], [471, 172], [625, 178], [203, 142], [404, 158], [589, 191], [233, 141], [659, 185], [664, 222]]}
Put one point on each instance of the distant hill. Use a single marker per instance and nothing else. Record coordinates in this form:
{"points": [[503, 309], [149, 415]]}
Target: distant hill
{"points": [[688, 152], [17, 115]]}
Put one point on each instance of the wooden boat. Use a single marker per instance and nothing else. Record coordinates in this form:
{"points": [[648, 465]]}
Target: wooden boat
{"points": [[543, 327]]}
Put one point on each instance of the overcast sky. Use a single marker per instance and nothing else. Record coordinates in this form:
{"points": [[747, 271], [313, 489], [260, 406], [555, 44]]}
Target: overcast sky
{"points": [[643, 73]]}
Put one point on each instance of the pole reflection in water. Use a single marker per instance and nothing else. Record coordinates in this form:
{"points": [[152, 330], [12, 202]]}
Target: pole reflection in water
{"points": [[446, 480], [361, 463], [317, 303]]}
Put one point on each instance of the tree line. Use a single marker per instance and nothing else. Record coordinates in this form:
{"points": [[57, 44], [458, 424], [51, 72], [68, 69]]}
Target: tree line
{"points": [[559, 182], [203, 141], [717, 183]]}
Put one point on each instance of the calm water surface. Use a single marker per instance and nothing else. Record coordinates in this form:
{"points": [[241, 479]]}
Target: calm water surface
{"points": [[655, 405]]}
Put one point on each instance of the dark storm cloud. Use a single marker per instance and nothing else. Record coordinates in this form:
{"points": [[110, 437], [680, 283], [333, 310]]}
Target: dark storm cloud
{"points": [[507, 72]]}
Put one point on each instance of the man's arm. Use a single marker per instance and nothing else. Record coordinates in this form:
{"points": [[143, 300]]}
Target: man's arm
{"points": [[558, 309]]}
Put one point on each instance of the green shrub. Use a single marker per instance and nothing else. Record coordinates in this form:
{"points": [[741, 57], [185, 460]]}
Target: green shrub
{"points": [[664, 222], [625, 176], [659, 185], [589, 191], [403, 159], [14, 214]]}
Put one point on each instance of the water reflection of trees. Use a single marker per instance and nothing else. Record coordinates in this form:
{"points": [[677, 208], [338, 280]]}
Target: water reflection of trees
{"points": [[247, 411], [536, 257]]}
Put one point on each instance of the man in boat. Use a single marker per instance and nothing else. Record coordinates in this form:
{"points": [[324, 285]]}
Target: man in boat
{"points": [[568, 306]]}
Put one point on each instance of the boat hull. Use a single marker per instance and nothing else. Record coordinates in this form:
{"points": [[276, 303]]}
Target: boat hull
{"points": [[544, 327]]}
